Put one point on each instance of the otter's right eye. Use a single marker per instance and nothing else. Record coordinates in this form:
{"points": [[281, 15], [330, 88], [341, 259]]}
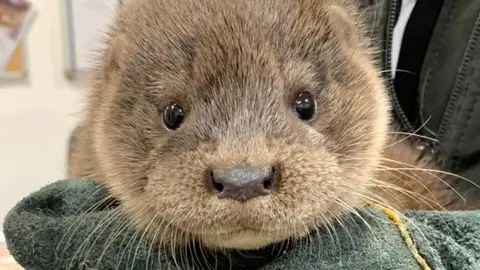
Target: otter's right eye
{"points": [[173, 116], [305, 106]]}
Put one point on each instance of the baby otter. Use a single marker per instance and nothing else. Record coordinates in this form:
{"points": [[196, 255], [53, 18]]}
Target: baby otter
{"points": [[239, 124]]}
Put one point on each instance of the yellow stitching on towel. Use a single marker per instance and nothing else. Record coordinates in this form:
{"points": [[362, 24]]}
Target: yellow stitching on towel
{"points": [[405, 234]]}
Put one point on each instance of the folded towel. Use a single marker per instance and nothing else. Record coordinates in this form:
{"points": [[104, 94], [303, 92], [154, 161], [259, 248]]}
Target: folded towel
{"points": [[70, 225]]}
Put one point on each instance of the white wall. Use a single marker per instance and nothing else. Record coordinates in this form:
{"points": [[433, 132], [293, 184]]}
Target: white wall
{"points": [[37, 117]]}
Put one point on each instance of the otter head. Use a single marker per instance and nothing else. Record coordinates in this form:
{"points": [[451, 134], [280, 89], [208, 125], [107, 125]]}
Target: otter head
{"points": [[237, 124]]}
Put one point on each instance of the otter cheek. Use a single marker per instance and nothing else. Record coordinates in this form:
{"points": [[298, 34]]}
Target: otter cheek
{"points": [[179, 191], [311, 182]]}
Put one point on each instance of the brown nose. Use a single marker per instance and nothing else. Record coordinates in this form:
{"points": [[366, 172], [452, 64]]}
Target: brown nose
{"points": [[244, 183]]}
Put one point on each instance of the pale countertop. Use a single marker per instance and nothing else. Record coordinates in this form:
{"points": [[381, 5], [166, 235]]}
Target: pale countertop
{"points": [[6, 260]]}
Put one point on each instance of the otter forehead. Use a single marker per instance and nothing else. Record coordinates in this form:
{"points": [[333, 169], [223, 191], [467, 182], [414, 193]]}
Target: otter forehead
{"points": [[190, 46]]}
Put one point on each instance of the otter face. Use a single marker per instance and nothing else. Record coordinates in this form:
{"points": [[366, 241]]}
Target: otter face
{"points": [[237, 123]]}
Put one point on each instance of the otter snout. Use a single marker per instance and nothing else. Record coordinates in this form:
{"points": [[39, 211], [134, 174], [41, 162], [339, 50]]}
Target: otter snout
{"points": [[243, 183]]}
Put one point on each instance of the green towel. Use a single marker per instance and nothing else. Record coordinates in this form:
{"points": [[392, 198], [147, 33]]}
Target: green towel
{"points": [[53, 228]]}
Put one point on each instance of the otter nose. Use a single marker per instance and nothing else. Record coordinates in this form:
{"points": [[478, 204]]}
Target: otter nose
{"points": [[245, 182]]}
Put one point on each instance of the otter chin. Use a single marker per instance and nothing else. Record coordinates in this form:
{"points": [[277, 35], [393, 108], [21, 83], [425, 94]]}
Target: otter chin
{"points": [[247, 239], [239, 124]]}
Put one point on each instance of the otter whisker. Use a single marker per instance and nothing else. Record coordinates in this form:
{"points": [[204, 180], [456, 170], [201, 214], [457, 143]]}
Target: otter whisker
{"points": [[328, 227], [121, 228], [412, 169], [414, 135], [411, 188], [410, 135], [130, 238], [336, 243], [337, 218], [356, 213], [113, 220], [160, 242], [80, 220], [131, 223], [317, 235], [430, 173], [178, 249], [173, 248], [107, 218], [389, 207], [192, 247], [169, 239], [442, 172], [295, 238], [202, 251], [153, 236], [142, 237], [410, 194], [128, 249], [184, 248]]}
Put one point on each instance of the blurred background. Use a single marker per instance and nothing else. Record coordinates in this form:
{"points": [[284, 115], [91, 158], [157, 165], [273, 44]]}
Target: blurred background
{"points": [[41, 91]]}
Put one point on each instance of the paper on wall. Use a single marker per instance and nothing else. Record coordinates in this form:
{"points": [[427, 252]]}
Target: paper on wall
{"points": [[88, 21], [15, 17]]}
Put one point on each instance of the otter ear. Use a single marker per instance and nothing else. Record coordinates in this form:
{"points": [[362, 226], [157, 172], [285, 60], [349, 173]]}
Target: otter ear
{"points": [[346, 19], [112, 58]]}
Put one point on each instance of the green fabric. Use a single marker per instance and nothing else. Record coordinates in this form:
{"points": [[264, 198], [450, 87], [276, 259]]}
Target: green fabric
{"points": [[47, 230]]}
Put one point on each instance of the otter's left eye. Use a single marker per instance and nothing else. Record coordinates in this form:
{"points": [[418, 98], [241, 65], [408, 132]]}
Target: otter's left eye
{"points": [[305, 106], [173, 116]]}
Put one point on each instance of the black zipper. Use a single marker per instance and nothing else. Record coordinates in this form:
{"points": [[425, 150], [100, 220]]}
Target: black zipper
{"points": [[391, 21], [425, 147]]}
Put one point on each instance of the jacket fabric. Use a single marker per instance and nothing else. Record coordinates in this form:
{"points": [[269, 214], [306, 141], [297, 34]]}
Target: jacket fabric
{"points": [[430, 55]]}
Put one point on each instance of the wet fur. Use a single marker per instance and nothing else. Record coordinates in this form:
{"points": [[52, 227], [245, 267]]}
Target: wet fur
{"points": [[235, 67]]}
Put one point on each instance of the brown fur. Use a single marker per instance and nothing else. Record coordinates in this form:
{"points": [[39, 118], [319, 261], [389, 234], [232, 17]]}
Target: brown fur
{"points": [[235, 67]]}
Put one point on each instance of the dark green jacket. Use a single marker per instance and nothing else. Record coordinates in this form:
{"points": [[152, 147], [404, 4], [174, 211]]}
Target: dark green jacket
{"points": [[447, 88]]}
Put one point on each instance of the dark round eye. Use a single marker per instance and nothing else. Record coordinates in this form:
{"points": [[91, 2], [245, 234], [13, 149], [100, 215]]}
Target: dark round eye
{"points": [[173, 116], [305, 106]]}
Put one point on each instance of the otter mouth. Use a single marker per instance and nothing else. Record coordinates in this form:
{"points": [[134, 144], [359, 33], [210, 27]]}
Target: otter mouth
{"points": [[245, 233], [225, 233], [229, 230]]}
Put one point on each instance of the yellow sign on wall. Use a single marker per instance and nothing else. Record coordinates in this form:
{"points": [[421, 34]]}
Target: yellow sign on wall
{"points": [[16, 65]]}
